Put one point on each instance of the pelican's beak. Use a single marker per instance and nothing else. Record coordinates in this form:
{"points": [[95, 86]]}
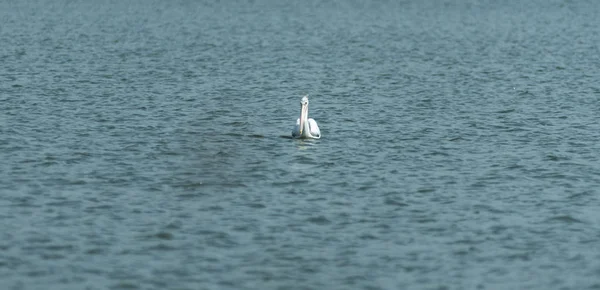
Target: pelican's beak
{"points": [[303, 114]]}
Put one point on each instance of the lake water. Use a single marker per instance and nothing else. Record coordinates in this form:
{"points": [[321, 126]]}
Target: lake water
{"points": [[146, 144]]}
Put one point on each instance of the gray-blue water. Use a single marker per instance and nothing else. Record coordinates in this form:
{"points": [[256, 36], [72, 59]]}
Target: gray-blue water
{"points": [[145, 144]]}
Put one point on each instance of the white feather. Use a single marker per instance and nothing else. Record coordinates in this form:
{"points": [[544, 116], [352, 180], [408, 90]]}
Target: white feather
{"points": [[308, 130]]}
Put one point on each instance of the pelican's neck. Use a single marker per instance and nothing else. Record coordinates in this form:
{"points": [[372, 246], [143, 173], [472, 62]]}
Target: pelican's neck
{"points": [[304, 113], [305, 131]]}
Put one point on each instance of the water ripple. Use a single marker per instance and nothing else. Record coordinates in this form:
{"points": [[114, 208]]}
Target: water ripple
{"points": [[147, 145]]}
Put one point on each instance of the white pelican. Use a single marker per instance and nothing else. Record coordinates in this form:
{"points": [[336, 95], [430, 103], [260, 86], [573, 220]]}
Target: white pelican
{"points": [[306, 128]]}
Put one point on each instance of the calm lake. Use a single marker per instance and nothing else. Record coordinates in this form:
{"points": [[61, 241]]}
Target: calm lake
{"points": [[145, 144]]}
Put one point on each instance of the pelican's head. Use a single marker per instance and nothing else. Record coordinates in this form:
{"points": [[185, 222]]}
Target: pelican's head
{"points": [[304, 101]]}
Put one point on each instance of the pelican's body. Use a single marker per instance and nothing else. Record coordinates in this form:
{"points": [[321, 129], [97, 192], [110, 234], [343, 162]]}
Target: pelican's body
{"points": [[306, 128]]}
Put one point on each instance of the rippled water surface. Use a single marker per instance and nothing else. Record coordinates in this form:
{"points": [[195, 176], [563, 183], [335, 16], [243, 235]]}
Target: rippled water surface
{"points": [[145, 145]]}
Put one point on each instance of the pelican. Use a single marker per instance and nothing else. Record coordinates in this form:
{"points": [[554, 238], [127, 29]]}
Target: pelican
{"points": [[306, 128]]}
